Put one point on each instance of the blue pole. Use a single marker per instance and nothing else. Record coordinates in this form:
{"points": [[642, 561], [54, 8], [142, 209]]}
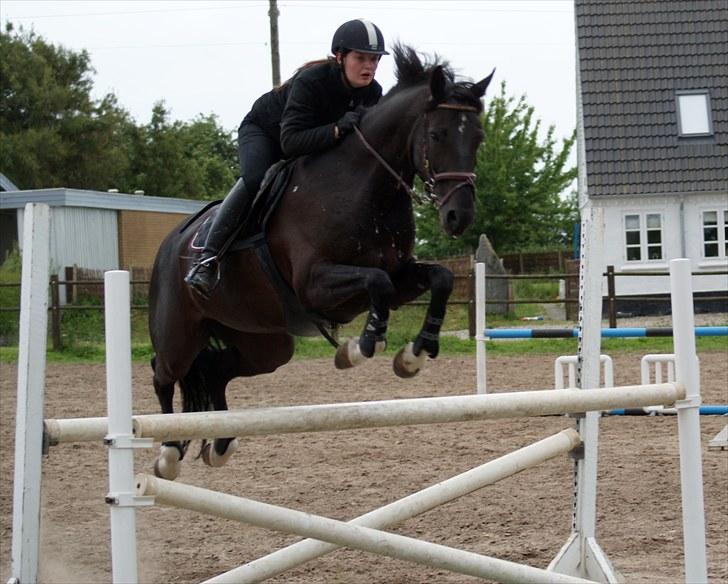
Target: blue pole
{"points": [[714, 410], [624, 332]]}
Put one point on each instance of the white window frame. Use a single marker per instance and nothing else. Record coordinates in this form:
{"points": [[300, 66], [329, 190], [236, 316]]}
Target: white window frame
{"points": [[643, 230], [722, 228], [708, 112]]}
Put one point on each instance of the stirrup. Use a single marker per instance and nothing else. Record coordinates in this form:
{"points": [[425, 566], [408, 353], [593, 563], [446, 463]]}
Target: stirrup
{"points": [[205, 284]]}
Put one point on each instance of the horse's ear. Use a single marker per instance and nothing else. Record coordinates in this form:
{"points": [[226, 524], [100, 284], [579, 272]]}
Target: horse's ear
{"points": [[438, 85], [480, 87]]}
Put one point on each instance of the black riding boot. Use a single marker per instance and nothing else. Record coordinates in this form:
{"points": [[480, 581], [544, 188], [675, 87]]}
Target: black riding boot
{"points": [[205, 272]]}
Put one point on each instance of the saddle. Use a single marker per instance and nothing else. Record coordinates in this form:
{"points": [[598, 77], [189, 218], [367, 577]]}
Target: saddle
{"points": [[264, 203], [251, 235]]}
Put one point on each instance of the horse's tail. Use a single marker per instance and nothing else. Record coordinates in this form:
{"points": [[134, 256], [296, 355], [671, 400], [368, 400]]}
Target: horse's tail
{"points": [[195, 385]]}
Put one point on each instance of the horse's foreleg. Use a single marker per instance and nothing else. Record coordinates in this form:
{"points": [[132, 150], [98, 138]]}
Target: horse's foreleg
{"points": [[335, 285], [413, 281]]}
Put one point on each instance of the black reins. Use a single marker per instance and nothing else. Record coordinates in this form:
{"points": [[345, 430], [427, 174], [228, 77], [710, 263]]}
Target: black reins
{"points": [[464, 178]]}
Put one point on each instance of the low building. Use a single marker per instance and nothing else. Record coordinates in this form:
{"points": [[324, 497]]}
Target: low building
{"points": [[96, 230]]}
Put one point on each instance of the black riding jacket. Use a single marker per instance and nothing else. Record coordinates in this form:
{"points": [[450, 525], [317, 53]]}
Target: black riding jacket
{"points": [[302, 113]]}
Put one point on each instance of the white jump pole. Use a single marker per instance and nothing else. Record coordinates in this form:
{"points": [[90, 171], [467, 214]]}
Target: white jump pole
{"points": [[480, 327], [378, 414], [687, 373], [119, 437], [340, 533], [408, 507], [118, 398], [33, 330]]}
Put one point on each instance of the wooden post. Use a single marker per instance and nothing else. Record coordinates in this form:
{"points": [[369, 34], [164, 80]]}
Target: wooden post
{"points": [[509, 297], [55, 313], [611, 298], [275, 58], [471, 303], [69, 276]]}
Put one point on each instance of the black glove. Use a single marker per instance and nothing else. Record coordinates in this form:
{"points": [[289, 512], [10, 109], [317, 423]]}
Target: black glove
{"points": [[347, 122]]}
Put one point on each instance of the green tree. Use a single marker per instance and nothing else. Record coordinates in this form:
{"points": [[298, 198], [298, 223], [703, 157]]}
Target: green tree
{"points": [[519, 186], [52, 133], [194, 159]]}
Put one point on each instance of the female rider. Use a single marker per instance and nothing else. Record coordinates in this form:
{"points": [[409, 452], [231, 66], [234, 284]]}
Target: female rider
{"points": [[310, 112]]}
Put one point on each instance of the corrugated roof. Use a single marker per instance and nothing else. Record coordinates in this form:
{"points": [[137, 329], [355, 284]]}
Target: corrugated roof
{"points": [[99, 200], [633, 58]]}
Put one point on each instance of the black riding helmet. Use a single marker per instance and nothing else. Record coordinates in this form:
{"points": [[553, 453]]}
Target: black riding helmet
{"points": [[359, 35]]}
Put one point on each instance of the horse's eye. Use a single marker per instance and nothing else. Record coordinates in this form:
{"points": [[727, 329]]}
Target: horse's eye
{"points": [[434, 136]]}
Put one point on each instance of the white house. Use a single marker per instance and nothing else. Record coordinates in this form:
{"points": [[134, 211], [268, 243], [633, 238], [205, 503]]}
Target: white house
{"points": [[654, 95]]}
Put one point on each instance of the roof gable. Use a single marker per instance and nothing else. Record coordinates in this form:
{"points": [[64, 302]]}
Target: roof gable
{"points": [[633, 59]]}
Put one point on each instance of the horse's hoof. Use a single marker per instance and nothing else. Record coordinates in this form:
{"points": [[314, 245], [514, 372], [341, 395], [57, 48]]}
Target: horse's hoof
{"points": [[348, 355], [210, 456], [167, 464], [406, 364]]}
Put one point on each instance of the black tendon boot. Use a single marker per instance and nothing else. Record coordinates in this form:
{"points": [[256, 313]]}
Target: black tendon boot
{"points": [[205, 272]]}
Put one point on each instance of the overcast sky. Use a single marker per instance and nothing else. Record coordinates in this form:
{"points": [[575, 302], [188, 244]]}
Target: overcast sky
{"points": [[214, 56]]}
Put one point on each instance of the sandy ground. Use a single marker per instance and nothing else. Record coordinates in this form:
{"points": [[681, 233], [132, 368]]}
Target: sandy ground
{"points": [[525, 518]]}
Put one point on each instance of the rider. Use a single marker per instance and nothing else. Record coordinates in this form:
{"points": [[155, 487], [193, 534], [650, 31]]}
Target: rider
{"points": [[310, 112]]}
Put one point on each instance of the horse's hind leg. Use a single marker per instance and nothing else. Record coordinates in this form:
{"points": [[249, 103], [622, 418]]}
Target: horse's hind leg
{"points": [[171, 453], [247, 355], [219, 451]]}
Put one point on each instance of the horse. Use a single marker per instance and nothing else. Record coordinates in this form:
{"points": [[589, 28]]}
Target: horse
{"points": [[341, 242]]}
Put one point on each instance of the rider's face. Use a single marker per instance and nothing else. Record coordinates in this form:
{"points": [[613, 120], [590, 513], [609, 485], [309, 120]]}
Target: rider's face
{"points": [[359, 68]]}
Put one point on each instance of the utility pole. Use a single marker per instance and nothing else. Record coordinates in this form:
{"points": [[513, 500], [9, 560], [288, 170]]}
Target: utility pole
{"points": [[275, 59]]}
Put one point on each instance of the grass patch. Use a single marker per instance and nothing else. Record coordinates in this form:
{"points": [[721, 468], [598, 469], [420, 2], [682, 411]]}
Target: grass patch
{"points": [[319, 348], [643, 345]]}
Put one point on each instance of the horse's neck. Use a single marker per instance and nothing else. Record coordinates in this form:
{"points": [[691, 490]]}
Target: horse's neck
{"points": [[390, 128]]}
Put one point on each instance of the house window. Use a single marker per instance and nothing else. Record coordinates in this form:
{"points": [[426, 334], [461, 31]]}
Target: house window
{"points": [[715, 234], [693, 113], [643, 237]]}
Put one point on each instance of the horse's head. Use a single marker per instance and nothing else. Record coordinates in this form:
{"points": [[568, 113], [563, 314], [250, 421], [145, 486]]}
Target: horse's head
{"points": [[445, 141]]}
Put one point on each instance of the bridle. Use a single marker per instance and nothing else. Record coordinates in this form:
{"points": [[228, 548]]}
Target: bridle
{"points": [[465, 178], [430, 182]]}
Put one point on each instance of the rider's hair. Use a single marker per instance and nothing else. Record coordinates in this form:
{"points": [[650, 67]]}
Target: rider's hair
{"points": [[303, 67]]}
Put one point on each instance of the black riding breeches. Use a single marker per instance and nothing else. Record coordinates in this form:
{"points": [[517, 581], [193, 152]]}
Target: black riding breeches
{"points": [[258, 152]]}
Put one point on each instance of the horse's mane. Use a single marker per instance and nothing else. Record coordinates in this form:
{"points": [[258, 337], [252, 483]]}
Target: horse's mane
{"points": [[413, 70]]}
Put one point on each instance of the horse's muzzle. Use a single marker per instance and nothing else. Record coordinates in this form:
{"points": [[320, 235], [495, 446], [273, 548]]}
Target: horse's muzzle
{"points": [[456, 221], [456, 218]]}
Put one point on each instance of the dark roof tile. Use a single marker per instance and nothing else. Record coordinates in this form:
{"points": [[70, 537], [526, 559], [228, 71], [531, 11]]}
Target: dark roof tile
{"points": [[634, 56]]}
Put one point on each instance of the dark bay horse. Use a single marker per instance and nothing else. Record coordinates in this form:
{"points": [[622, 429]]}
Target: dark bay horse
{"points": [[341, 238]]}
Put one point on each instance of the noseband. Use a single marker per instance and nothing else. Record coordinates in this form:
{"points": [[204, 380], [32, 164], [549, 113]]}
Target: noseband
{"points": [[465, 178]]}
